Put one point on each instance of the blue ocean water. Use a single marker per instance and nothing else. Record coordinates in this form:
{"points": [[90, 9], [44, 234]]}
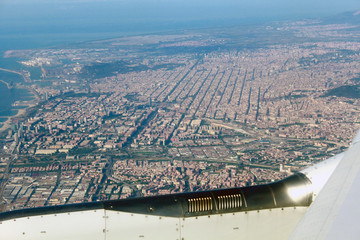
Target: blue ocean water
{"points": [[5, 102], [8, 97]]}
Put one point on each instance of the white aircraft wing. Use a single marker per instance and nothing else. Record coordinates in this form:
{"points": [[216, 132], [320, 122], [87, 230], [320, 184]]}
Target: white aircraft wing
{"points": [[335, 213]]}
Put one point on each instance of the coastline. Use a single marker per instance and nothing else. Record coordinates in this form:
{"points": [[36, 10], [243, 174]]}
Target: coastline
{"points": [[6, 83], [20, 111], [20, 104]]}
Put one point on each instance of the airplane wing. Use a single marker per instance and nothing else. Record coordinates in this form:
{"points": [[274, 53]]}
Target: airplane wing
{"points": [[335, 213]]}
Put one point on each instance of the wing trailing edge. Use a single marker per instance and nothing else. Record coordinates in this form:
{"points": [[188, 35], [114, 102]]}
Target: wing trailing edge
{"points": [[335, 213]]}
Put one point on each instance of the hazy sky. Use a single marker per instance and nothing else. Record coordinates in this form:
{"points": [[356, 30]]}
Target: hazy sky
{"points": [[83, 16], [174, 8], [75, 11]]}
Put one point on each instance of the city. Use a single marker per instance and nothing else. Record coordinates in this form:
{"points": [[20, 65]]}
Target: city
{"points": [[147, 115]]}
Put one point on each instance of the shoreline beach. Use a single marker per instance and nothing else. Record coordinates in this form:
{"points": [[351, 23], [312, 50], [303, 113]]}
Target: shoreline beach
{"points": [[25, 105], [21, 112], [20, 104]]}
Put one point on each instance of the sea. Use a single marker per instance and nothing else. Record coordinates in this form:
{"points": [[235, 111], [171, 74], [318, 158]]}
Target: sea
{"points": [[11, 99], [8, 97]]}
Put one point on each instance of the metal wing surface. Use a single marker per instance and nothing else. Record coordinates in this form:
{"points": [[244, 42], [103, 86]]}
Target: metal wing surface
{"points": [[335, 213]]}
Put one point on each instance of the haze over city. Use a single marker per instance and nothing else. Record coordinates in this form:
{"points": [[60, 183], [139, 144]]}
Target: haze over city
{"points": [[40, 23]]}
